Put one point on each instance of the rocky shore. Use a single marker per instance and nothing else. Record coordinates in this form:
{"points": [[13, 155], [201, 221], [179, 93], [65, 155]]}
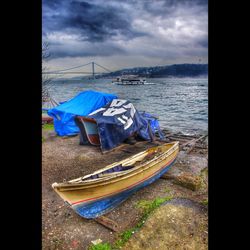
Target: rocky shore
{"points": [[179, 223]]}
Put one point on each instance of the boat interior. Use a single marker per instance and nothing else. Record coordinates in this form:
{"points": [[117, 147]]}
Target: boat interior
{"points": [[127, 165]]}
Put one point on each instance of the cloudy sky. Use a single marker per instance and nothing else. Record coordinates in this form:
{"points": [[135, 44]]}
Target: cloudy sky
{"points": [[123, 34]]}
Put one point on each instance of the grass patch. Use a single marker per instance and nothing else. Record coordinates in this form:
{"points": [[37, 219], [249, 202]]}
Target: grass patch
{"points": [[204, 202], [124, 237], [205, 170], [148, 207], [48, 126], [204, 177], [101, 246], [167, 190], [43, 139]]}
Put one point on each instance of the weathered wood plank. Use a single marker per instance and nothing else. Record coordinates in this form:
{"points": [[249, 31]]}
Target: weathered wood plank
{"points": [[193, 142], [105, 221], [166, 177], [181, 138]]}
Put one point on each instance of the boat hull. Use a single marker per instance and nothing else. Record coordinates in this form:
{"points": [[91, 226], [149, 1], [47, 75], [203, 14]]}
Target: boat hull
{"points": [[131, 83], [104, 205]]}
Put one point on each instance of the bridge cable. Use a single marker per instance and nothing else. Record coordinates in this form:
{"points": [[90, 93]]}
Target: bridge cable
{"points": [[103, 67], [68, 68]]}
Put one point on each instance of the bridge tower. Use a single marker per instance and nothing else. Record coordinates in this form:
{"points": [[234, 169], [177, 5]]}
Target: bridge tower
{"points": [[93, 70]]}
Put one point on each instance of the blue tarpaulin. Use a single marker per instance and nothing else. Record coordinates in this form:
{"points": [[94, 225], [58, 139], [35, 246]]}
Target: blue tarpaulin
{"points": [[154, 123], [82, 104], [119, 120]]}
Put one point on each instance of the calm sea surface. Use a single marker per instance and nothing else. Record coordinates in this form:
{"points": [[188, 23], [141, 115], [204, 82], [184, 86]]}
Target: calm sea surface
{"points": [[180, 103]]}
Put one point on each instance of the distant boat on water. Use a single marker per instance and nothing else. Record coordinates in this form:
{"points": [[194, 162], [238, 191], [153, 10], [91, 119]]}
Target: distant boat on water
{"points": [[130, 80]]}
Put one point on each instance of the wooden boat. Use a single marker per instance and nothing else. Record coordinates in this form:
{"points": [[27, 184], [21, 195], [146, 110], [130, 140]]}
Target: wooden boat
{"points": [[96, 194], [46, 118], [90, 129]]}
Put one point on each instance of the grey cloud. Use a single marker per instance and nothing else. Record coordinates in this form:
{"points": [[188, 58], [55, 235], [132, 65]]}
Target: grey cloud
{"points": [[168, 7], [106, 28], [62, 50], [90, 21]]}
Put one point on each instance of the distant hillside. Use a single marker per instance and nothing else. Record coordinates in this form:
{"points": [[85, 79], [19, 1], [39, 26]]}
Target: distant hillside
{"points": [[176, 70]]}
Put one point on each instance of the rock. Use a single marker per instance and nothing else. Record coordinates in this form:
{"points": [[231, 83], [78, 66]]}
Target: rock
{"points": [[172, 173], [175, 226], [52, 134], [95, 242], [67, 214], [189, 181], [187, 170], [82, 157]]}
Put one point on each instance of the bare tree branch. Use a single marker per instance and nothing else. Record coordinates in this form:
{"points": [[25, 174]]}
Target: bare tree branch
{"points": [[46, 80]]}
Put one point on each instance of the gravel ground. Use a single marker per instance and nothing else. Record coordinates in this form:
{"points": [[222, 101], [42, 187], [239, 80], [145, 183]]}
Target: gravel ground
{"points": [[64, 158]]}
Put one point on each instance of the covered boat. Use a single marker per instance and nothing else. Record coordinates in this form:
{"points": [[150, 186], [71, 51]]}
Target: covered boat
{"points": [[82, 104], [96, 194], [112, 124]]}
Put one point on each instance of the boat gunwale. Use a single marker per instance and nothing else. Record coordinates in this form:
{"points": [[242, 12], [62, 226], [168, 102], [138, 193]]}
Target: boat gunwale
{"points": [[118, 174], [79, 187], [69, 186]]}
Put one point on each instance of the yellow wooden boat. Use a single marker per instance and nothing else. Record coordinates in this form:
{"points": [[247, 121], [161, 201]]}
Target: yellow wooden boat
{"points": [[97, 193]]}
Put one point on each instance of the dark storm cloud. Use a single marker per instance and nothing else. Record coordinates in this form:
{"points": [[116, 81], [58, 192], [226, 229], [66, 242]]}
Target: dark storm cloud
{"points": [[60, 50], [51, 3], [92, 22]]}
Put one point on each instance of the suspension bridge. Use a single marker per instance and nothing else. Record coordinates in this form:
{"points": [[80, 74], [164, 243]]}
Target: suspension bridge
{"points": [[92, 71]]}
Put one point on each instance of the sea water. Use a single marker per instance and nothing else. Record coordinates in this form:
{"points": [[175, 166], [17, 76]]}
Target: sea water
{"points": [[180, 103]]}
